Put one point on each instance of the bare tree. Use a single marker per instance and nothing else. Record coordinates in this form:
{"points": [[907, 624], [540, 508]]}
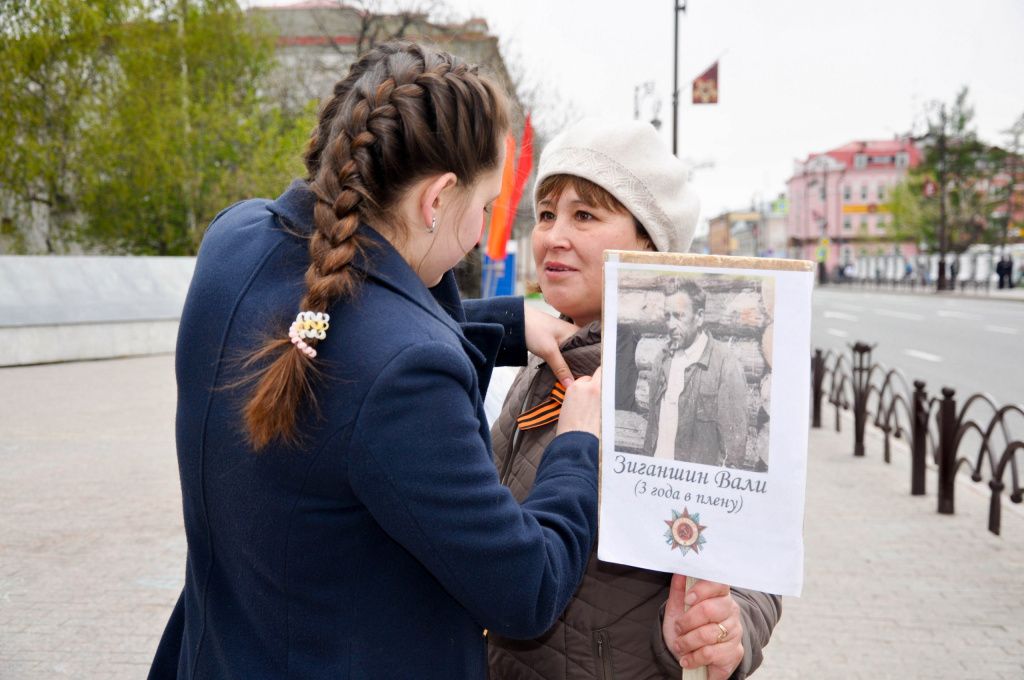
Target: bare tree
{"points": [[375, 22]]}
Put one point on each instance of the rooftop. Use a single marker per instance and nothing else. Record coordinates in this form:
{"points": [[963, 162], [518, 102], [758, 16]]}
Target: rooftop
{"points": [[878, 153]]}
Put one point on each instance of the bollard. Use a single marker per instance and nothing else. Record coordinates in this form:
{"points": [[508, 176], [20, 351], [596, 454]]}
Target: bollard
{"points": [[861, 372], [995, 506], [947, 450], [818, 379], [919, 440], [838, 409], [997, 486]]}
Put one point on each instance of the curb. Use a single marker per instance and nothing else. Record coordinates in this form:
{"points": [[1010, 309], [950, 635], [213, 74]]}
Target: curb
{"points": [[910, 293]]}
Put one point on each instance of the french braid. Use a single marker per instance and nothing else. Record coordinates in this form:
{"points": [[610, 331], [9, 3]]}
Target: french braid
{"points": [[404, 112]]}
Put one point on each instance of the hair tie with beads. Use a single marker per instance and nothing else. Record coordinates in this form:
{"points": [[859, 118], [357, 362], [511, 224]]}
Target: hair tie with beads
{"points": [[311, 325]]}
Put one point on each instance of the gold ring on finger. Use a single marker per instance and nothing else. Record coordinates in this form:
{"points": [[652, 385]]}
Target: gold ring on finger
{"points": [[724, 632]]}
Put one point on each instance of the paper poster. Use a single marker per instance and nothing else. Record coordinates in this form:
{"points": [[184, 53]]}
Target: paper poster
{"points": [[705, 416]]}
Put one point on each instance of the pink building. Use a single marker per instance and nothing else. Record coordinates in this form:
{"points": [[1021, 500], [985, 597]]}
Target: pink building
{"points": [[837, 203]]}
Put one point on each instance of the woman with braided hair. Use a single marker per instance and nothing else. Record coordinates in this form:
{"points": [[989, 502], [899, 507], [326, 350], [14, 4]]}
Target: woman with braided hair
{"points": [[343, 515]]}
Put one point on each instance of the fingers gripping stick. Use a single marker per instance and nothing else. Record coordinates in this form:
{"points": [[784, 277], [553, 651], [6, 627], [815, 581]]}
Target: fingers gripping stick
{"points": [[693, 673]]}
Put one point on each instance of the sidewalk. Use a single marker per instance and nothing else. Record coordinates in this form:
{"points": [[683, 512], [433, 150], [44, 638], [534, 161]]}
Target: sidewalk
{"points": [[92, 550], [893, 589]]}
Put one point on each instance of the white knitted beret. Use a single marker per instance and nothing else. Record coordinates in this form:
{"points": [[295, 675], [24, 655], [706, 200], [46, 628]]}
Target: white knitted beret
{"points": [[629, 161]]}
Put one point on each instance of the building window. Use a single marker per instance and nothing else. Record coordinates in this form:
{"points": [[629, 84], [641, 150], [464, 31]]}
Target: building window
{"points": [[902, 159], [847, 224], [864, 224], [846, 192], [821, 192], [860, 161], [880, 225], [881, 192], [863, 192]]}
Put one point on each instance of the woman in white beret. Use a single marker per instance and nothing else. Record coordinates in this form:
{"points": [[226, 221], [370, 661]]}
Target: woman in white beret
{"points": [[601, 186]]}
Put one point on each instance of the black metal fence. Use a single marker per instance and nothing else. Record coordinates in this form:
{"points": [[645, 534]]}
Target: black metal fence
{"points": [[976, 435]]}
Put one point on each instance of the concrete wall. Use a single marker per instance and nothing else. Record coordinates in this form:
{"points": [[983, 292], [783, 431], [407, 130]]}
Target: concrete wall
{"points": [[55, 308]]}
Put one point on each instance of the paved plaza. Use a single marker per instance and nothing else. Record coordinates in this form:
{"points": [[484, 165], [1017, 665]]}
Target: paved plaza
{"points": [[92, 549]]}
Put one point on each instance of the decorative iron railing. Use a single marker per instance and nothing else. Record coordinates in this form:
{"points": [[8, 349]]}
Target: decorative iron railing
{"points": [[978, 435]]}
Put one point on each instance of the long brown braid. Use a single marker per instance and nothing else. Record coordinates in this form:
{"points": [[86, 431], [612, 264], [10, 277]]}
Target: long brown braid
{"points": [[404, 112]]}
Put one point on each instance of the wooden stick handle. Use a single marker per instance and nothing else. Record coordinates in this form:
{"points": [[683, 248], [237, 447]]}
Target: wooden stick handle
{"points": [[693, 673]]}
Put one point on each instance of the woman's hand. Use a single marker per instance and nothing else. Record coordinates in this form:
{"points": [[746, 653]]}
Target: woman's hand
{"points": [[709, 633], [581, 409], [544, 337]]}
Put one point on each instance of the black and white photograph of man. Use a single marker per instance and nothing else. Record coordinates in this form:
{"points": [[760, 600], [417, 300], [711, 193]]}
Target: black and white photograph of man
{"points": [[694, 378]]}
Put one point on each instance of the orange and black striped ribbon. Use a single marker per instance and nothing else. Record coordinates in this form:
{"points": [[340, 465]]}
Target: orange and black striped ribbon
{"points": [[545, 412]]}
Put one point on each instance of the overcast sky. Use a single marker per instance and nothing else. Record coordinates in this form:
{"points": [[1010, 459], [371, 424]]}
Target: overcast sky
{"points": [[795, 76]]}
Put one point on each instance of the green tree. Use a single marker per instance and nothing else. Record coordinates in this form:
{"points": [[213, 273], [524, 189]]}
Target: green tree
{"points": [[914, 216], [127, 124], [189, 132], [1010, 195], [960, 168], [55, 71]]}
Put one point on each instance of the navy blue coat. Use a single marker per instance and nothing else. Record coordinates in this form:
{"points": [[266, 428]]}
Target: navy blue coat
{"points": [[384, 544]]}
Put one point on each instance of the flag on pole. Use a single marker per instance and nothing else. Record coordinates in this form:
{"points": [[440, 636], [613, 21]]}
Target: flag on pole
{"points": [[497, 237], [512, 184], [705, 87], [523, 166]]}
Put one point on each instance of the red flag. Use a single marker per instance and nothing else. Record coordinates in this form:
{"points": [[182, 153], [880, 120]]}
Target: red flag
{"points": [[497, 238], [705, 87], [513, 183], [523, 166]]}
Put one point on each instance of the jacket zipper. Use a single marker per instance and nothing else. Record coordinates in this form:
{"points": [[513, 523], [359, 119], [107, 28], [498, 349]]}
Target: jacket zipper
{"points": [[605, 671]]}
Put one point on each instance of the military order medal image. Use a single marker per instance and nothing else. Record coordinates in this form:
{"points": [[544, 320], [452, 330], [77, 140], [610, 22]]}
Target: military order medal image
{"points": [[684, 532], [704, 416]]}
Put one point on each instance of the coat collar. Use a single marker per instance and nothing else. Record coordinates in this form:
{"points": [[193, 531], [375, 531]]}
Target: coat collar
{"points": [[582, 352], [665, 360], [295, 207], [704, 359], [386, 266]]}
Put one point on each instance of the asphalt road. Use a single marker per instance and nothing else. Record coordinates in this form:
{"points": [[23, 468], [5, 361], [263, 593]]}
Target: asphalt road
{"points": [[971, 345]]}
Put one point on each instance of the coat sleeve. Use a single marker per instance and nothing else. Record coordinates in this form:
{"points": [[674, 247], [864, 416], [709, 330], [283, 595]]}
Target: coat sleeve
{"points": [[421, 464], [759, 612], [626, 372], [507, 311]]}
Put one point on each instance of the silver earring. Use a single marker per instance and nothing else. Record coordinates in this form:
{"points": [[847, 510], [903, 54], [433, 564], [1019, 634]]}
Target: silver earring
{"points": [[433, 225]]}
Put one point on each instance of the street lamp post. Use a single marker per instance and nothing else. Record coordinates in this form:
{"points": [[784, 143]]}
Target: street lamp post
{"points": [[941, 282], [823, 264], [808, 239], [677, 7]]}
